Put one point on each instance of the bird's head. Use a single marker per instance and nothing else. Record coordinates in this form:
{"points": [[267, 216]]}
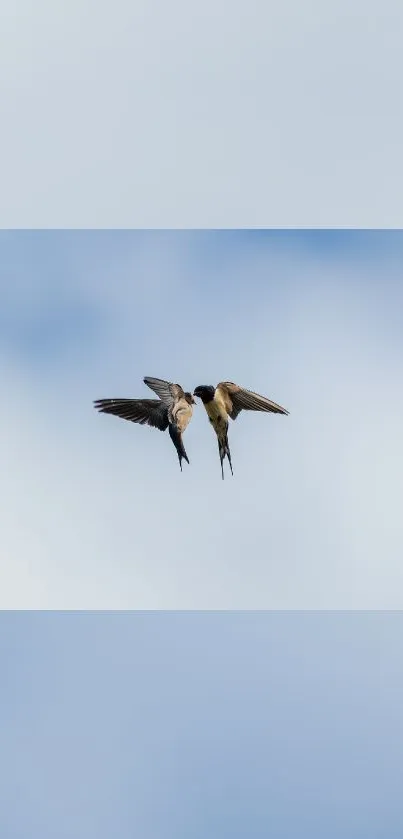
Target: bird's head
{"points": [[189, 398], [204, 392]]}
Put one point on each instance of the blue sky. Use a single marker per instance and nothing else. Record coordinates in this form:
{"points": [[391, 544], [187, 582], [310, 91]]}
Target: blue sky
{"points": [[201, 115], [96, 511], [196, 724]]}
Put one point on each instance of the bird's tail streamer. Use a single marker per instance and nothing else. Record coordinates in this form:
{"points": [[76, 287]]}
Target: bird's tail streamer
{"points": [[176, 438], [224, 450]]}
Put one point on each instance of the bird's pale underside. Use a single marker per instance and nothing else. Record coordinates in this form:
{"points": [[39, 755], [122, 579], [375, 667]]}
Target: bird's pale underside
{"points": [[174, 409], [227, 400]]}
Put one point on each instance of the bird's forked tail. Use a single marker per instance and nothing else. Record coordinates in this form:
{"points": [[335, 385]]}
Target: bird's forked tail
{"points": [[224, 451], [176, 438]]}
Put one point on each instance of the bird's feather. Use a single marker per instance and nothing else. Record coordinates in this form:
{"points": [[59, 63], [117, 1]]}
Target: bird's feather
{"points": [[167, 391], [150, 412], [242, 399]]}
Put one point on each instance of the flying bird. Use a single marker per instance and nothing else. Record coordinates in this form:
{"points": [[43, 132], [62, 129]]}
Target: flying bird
{"points": [[173, 410], [228, 400]]}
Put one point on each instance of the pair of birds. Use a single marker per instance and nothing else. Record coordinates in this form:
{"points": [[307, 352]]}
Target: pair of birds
{"points": [[174, 408]]}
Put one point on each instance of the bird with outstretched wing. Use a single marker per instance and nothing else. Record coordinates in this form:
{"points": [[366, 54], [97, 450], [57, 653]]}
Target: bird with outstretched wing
{"points": [[228, 400], [173, 410]]}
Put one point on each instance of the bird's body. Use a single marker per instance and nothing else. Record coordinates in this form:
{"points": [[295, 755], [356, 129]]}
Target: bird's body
{"points": [[217, 410], [228, 400], [173, 410], [180, 414]]}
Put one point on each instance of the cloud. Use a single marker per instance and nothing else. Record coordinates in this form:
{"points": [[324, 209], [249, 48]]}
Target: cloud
{"points": [[96, 513]]}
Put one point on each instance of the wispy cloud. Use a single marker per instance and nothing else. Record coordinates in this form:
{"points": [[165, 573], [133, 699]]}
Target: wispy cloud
{"points": [[96, 513]]}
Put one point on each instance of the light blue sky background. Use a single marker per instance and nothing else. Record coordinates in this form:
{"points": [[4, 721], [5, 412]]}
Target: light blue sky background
{"points": [[192, 724], [206, 114], [96, 513]]}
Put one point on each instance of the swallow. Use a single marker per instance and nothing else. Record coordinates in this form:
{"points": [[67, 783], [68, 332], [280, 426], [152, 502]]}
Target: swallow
{"points": [[173, 410], [228, 400]]}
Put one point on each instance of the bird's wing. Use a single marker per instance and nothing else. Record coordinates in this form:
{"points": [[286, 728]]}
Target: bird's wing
{"points": [[246, 400], [167, 391], [151, 412]]}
